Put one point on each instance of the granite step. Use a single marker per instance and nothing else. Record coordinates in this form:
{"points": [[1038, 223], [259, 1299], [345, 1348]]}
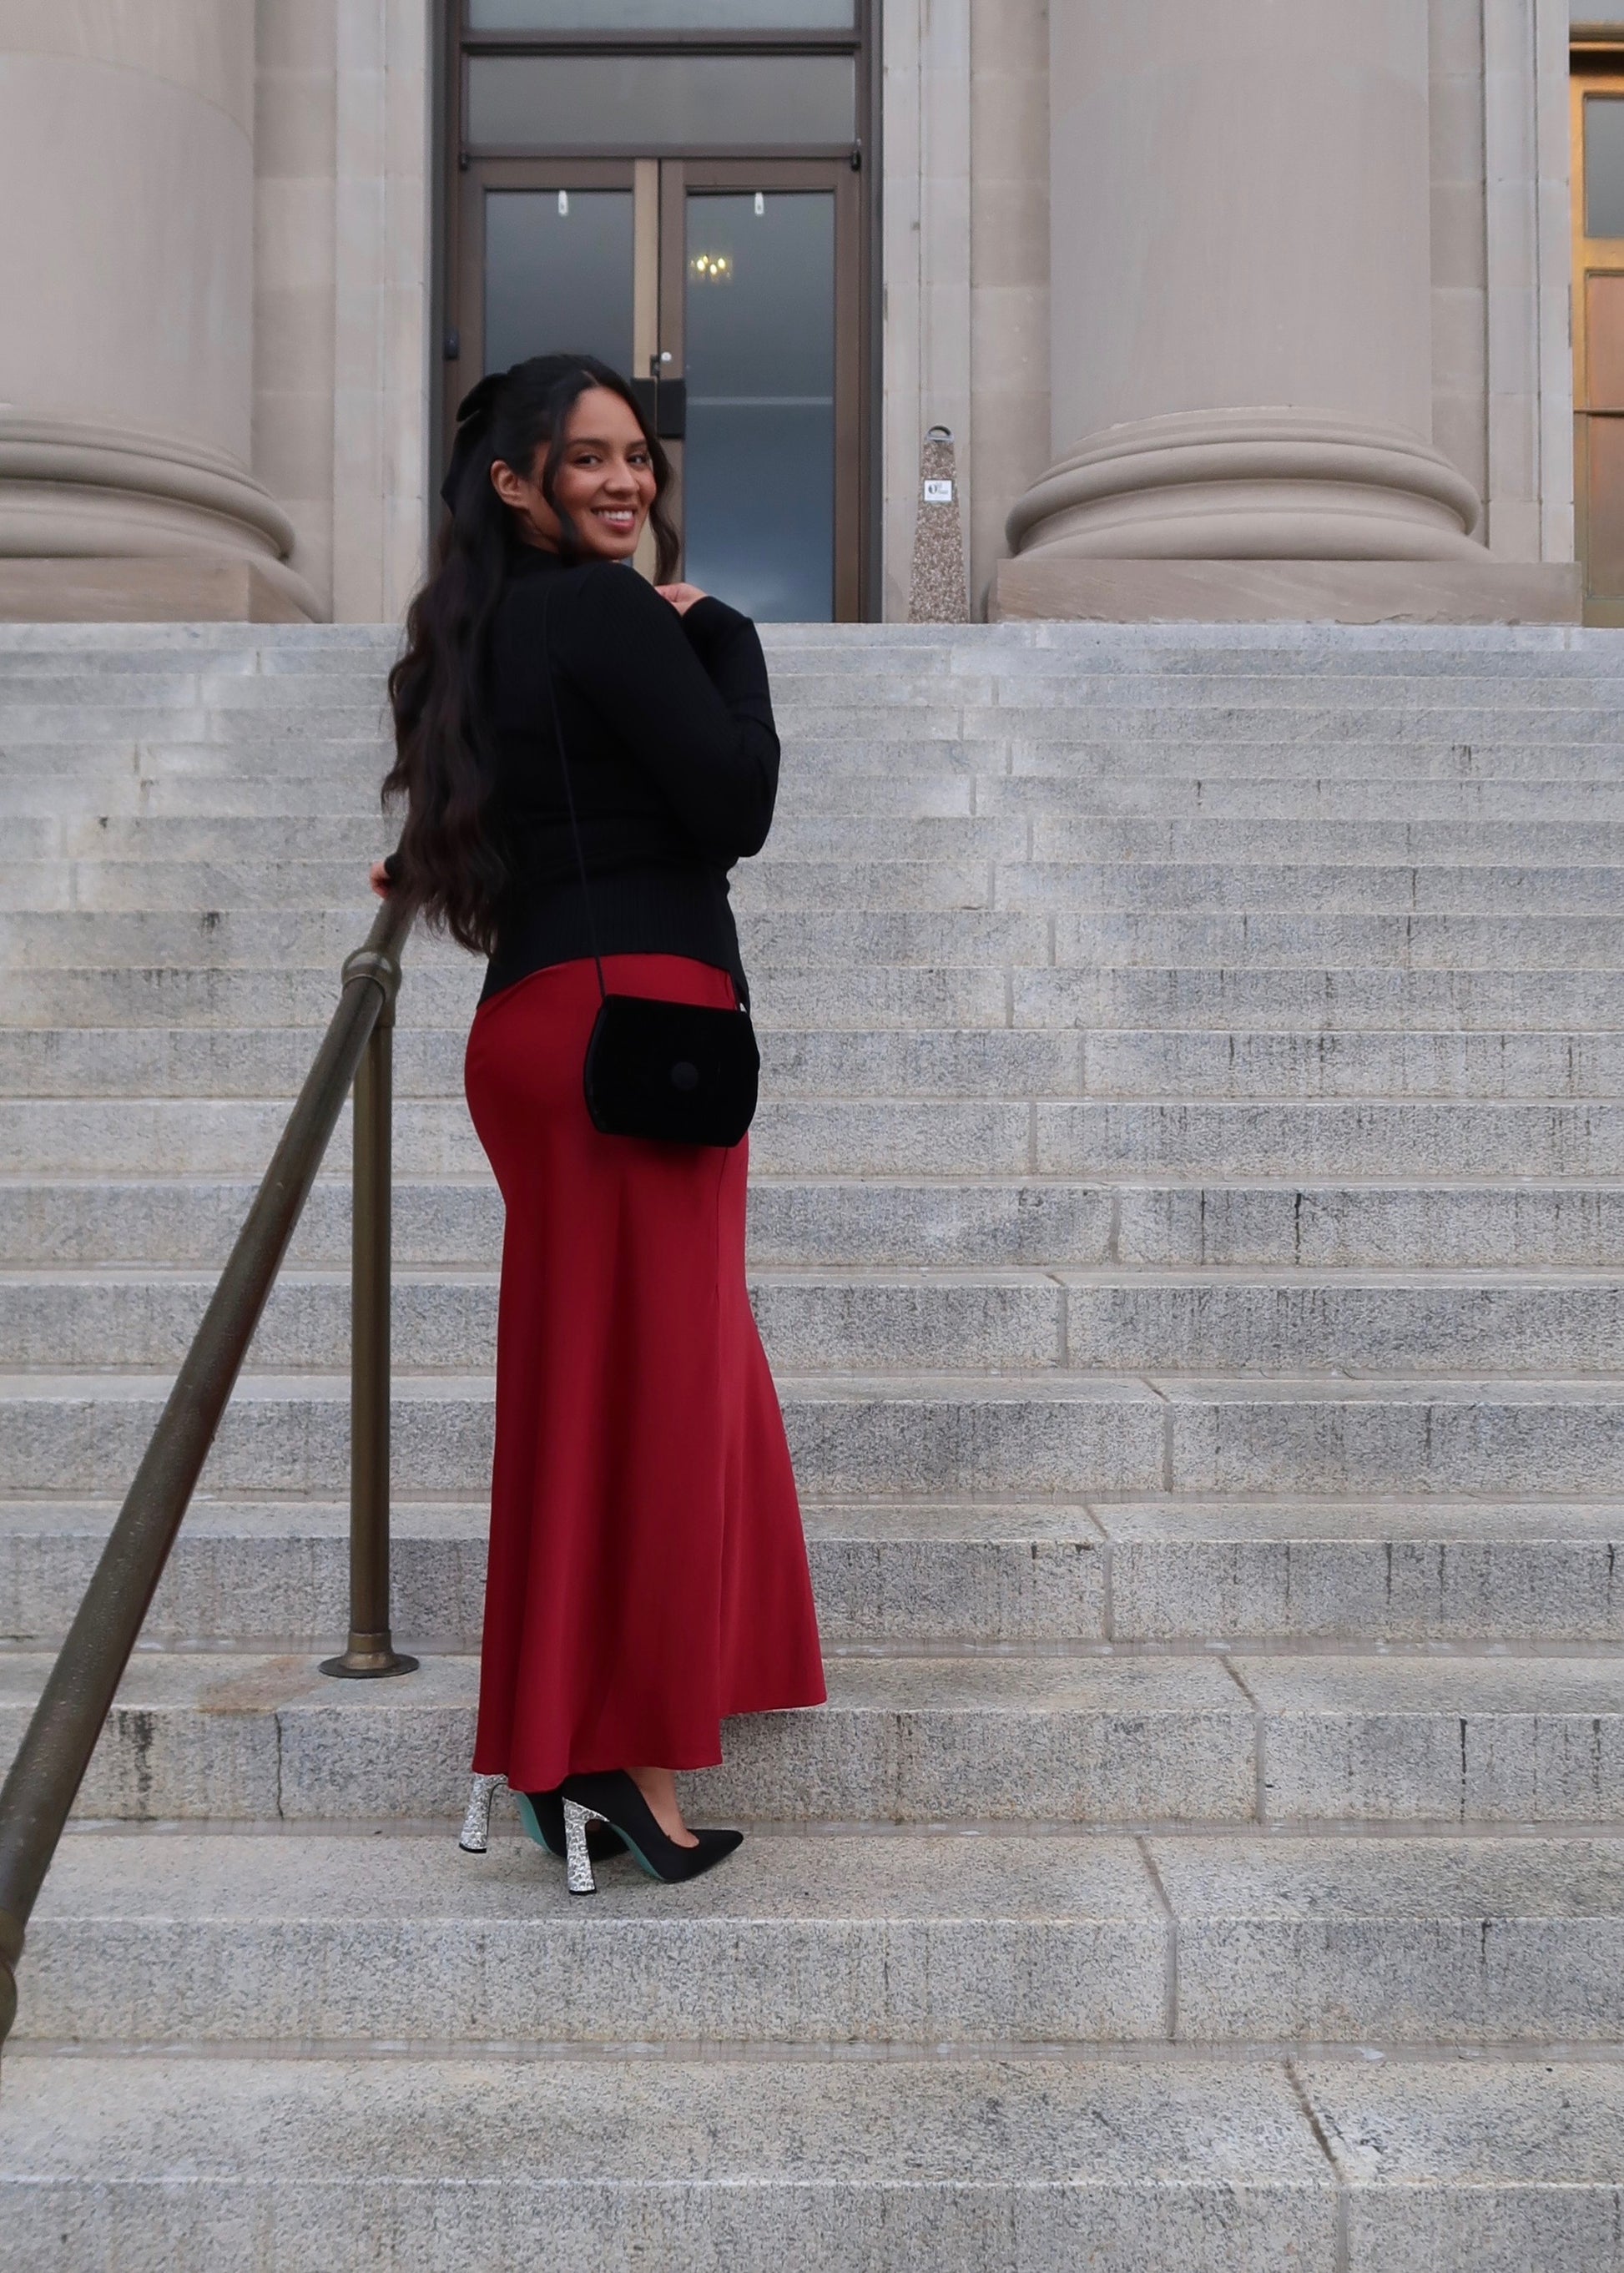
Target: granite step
{"points": [[221, 1062], [1258, 707], [444, 993], [1215, 886], [1334, 1003], [1379, 795], [129, 783], [1448, 734], [1040, 648], [880, 882], [929, 1942], [998, 1319], [915, 783], [1251, 1062], [121, 838], [264, 1573], [1260, 938], [855, 1435], [267, 1574], [1392, 1571], [879, 876], [788, 997], [327, 835], [1301, 1142], [1014, 2165], [1111, 1735], [241, 1738], [315, 1939], [1304, 654], [227, 938], [788, 2167], [980, 674], [1047, 748], [350, 743], [188, 738], [1026, 1060], [187, 1222], [1299, 841]]}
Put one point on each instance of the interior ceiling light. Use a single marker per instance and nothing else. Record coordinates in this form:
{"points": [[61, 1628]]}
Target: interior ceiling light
{"points": [[712, 267]]}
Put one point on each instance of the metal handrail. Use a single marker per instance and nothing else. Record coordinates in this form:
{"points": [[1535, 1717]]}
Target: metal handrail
{"points": [[60, 1739]]}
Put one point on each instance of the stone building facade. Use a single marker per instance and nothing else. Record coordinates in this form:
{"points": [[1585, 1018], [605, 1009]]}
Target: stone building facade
{"points": [[1253, 310]]}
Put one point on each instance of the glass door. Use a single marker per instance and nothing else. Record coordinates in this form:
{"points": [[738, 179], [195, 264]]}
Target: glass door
{"points": [[735, 288], [554, 258], [758, 347], [760, 319]]}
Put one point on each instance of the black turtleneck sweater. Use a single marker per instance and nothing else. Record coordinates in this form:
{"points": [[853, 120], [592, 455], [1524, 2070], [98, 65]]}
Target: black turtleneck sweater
{"points": [[673, 759]]}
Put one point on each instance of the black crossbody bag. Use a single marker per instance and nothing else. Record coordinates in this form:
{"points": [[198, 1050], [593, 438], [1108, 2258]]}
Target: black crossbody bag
{"points": [[673, 1071]]}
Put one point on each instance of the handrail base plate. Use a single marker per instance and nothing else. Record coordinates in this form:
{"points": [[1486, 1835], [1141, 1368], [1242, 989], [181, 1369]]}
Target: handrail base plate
{"points": [[368, 1664]]}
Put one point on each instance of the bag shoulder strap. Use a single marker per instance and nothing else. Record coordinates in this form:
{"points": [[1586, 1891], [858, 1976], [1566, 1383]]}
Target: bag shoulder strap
{"points": [[569, 795]]}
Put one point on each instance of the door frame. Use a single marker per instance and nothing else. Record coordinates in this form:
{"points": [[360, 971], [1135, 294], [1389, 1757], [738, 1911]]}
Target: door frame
{"points": [[858, 286], [1597, 68]]}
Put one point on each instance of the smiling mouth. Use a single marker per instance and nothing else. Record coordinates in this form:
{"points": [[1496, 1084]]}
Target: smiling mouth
{"points": [[618, 516]]}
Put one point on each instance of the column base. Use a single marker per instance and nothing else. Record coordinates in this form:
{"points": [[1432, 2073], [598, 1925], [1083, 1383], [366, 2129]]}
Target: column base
{"points": [[1064, 589], [148, 589], [99, 522]]}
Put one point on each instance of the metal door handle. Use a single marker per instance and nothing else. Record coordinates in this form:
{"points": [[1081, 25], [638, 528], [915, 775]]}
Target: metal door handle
{"points": [[664, 404]]}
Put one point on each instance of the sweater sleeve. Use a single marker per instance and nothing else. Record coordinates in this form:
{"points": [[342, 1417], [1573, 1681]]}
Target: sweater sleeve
{"points": [[692, 705], [722, 637]]}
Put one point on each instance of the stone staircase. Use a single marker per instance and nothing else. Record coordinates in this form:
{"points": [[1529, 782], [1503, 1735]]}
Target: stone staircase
{"points": [[1188, 1229]]}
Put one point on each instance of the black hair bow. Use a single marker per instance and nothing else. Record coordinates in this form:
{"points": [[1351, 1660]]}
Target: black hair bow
{"points": [[473, 420]]}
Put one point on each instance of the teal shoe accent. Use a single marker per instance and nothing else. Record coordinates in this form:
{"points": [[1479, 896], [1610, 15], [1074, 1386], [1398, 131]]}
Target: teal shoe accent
{"points": [[531, 1822], [542, 1814]]}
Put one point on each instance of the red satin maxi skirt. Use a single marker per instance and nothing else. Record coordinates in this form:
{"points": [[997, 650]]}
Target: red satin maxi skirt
{"points": [[648, 1572]]}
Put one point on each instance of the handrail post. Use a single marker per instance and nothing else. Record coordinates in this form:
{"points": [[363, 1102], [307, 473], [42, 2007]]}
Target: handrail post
{"points": [[371, 1653]]}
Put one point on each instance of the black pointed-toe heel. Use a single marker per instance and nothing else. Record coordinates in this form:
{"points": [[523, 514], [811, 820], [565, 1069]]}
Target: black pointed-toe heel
{"points": [[613, 1798]]}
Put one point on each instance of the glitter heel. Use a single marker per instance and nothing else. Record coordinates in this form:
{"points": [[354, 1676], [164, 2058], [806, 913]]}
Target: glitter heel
{"points": [[577, 1857], [477, 1823], [614, 1800]]}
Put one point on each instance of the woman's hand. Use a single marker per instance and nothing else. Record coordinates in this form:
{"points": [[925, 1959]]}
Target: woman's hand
{"points": [[681, 597], [378, 877]]}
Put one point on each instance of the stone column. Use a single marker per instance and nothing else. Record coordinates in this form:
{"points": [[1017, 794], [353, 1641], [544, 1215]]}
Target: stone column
{"points": [[1241, 357], [126, 279]]}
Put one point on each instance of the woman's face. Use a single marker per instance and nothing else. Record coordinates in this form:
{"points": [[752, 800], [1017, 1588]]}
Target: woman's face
{"points": [[606, 482]]}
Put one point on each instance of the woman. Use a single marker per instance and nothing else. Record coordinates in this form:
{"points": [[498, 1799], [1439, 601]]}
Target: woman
{"points": [[648, 1573]]}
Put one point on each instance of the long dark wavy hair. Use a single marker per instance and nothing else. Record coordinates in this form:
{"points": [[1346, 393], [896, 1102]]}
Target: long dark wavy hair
{"points": [[449, 864]]}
